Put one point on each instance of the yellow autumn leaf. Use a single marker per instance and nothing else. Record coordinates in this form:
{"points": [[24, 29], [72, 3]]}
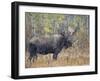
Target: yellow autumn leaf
{"points": [[47, 29]]}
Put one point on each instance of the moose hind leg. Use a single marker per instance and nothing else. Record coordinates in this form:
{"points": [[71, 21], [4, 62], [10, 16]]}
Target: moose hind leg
{"points": [[30, 58], [34, 58], [32, 50]]}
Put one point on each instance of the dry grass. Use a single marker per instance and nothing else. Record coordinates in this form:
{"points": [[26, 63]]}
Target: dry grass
{"points": [[67, 57]]}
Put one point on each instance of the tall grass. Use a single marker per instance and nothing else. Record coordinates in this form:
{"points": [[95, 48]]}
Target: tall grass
{"points": [[73, 56]]}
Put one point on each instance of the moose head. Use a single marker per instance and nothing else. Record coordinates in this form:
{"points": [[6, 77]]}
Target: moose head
{"points": [[69, 37]]}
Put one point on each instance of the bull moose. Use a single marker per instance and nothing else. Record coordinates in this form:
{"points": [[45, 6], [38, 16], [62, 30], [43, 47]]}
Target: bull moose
{"points": [[52, 44]]}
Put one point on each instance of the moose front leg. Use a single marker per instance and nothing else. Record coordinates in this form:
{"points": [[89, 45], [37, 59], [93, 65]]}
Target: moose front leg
{"points": [[55, 56]]}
